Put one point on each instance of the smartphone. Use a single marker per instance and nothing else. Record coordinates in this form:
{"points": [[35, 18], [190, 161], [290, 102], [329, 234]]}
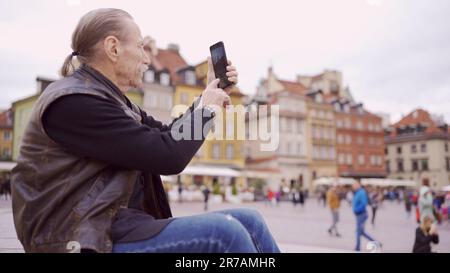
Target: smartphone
{"points": [[220, 63]]}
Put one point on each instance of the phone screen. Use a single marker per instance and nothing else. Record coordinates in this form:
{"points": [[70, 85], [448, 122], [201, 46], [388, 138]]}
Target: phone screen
{"points": [[219, 59]]}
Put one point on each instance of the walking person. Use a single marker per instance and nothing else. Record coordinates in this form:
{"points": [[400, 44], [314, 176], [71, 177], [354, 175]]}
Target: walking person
{"points": [[206, 193], [425, 203], [334, 204], [301, 197], [359, 205], [375, 200], [408, 203]]}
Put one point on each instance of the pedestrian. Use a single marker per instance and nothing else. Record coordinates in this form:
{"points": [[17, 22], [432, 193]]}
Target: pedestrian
{"points": [[375, 200], [426, 234], [334, 204], [180, 193], [408, 203], [206, 193], [301, 197], [425, 203], [359, 205]]}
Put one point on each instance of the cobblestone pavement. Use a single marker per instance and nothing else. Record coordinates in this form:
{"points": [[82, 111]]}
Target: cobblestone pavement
{"points": [[295, 229]]}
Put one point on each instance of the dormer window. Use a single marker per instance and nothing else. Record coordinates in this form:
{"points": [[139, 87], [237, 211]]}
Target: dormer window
{"points": [[337, 107], [189, 77], [360, 110], [319, 98], [149, 76], [347, 108], [164, 79]]}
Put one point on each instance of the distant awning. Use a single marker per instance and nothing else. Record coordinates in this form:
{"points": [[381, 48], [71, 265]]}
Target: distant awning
{"points": [[328, 181], [7, 165], [211, 171], [389, 182]]}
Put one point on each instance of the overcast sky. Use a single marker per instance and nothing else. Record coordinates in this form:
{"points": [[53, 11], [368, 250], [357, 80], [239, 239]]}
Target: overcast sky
{"points": [[394, 54]]}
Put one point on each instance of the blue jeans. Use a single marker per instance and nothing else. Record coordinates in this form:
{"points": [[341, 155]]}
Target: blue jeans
{"points": [[227, 231], [360, 223]]}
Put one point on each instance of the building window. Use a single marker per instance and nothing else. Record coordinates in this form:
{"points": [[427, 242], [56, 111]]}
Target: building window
{"points": [[348, 123], [348, 139], [360, 141], [400, 165], [299, 127], [347, 108], [447, 163], [288, 148], [164, 79], [423, 148], [6, 135], [319, 98], [288, 125], [372, 160], [386, 151], [413, 148], [6, 152], [388, 166], [361, 159], [323, 152], [190, 77], [337, 107], [230, 151], [446, 147], [184, 98], [424, 165], [300, 149], [341, 158], [331, 152], [149, 76], [340, 139], [216, 151], [415, 165], [349, 159], [399, 150], [359, 125]]}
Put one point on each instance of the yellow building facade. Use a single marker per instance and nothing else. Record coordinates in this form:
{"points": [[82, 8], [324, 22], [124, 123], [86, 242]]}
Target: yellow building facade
{"points": [[217, 158]]}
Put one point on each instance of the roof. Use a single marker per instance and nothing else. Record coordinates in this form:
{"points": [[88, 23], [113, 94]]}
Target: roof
{"points": [[171, 60], [293, 87], [419, 117], [6, 119], [260, 159]]}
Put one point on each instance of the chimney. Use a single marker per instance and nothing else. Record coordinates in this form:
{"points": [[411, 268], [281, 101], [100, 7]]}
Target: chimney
{"points": [[173, 47]]}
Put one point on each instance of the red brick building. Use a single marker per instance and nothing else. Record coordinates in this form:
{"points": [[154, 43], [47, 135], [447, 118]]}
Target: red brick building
{"points": [[359, 141]]}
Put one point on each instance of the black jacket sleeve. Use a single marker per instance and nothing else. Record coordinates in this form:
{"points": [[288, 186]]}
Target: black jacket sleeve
{"points": [[97, 128]]}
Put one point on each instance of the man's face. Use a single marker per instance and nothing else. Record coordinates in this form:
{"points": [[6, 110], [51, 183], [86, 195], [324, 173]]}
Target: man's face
{"points": [[133, 60]]}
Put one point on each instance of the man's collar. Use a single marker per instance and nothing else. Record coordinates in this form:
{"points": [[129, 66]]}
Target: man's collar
{"points": [[97, 75]]}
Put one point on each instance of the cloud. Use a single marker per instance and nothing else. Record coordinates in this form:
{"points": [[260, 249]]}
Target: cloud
{"points": [[394, 54]]}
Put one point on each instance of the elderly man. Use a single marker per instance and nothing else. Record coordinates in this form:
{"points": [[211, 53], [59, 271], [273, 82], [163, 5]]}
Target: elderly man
{"points": [[88, 173]]}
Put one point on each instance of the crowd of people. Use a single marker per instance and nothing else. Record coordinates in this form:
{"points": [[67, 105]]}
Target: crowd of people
{"points": [[431, 208]]}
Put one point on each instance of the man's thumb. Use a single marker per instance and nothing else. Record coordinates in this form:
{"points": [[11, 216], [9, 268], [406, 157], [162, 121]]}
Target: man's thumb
{"points": [[213, 84]]}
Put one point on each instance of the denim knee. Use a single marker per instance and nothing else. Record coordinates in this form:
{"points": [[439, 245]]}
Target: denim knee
{"points": [[249, 214], [231, 234]]}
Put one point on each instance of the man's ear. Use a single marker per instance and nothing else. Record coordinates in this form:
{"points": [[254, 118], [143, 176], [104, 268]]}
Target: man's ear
{"points": [[111, 45]]}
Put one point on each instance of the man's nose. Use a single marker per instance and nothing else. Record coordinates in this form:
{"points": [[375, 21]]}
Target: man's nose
{"points": [[147, 59]]}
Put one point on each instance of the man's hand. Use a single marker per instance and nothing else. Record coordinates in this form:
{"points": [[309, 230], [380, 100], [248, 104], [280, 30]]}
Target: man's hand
{"points": [[213, 95], [232, 74]]}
